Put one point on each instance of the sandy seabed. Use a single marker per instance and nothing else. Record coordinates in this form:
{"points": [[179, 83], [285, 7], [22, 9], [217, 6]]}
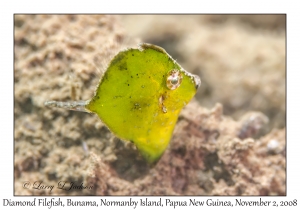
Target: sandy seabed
{"points": [[230, 140]]}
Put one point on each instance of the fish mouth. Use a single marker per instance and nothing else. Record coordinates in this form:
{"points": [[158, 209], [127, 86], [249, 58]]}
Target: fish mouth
{"points": [[195, 78], [197, 81]]}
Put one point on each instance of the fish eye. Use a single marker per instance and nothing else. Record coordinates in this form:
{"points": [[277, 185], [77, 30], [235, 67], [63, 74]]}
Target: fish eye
{"points": [[174, 79]]}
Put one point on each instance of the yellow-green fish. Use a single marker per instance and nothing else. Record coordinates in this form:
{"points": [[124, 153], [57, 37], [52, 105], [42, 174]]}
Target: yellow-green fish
{"points": [[140, 97]]}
